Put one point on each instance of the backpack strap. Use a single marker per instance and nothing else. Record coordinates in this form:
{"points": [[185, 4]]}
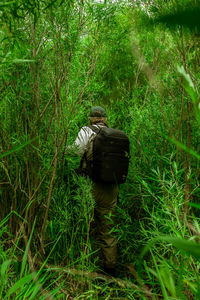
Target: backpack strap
{"points": [[97, 129], [94, 128]]}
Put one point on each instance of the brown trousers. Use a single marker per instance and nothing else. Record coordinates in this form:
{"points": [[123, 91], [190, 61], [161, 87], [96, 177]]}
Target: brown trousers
{"points": [[105, 196]]}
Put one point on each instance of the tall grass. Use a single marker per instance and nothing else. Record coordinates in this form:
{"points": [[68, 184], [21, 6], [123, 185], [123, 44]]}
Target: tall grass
{"points": [[168, 267], [19, 279], [170, 261]]}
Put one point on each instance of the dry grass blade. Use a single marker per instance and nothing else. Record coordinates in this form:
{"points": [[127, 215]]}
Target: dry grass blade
{"points": [[99, 276]]}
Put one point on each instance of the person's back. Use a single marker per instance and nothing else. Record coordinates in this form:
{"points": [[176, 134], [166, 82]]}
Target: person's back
{"points": [[105, 194]]}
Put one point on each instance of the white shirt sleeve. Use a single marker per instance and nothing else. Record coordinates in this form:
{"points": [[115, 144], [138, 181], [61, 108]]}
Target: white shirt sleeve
{"points": [[85, 136]]}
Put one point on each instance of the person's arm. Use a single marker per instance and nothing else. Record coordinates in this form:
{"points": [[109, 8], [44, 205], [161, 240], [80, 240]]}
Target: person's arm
{"points": [[82, 140], [80, 145]]}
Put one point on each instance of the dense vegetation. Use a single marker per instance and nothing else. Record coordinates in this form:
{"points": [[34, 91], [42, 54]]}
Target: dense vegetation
{"points": [[141, 62]]}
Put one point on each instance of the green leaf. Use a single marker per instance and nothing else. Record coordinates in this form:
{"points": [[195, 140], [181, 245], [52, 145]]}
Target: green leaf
{"points": [[168, 279], [183, 147], [20, 284], [196, 205], [35, 291], [19, 60], [188, 84], [187, 77], [24, 260], [17, 148], [165, 296], [8, 216], [5, 265], [189, 247]]}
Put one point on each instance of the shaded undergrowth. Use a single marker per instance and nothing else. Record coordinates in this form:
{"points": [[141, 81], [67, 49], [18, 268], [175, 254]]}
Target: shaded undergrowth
{"points": [[158, 254]]}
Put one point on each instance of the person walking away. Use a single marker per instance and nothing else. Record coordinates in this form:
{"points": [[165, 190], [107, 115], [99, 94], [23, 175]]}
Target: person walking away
{"points": [[105, 157]]}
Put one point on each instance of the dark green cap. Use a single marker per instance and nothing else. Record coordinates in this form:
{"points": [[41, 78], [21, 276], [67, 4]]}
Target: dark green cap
{"points": [[97, 111]]}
